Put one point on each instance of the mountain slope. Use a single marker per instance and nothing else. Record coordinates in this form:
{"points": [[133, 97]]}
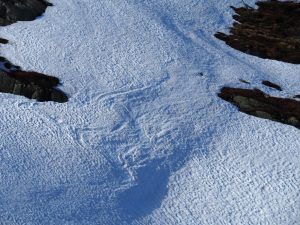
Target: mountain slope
{"points": [[144, 139]]}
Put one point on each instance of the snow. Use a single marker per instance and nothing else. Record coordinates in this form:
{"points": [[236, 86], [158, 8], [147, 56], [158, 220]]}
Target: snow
{"points": [[144, 139]]}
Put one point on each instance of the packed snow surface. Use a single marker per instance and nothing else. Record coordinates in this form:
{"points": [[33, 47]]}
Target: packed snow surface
{"points": [[144, 138]]}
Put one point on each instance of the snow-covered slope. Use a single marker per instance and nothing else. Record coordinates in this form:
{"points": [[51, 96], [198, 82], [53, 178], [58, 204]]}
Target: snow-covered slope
{"points": [[144, 138]]}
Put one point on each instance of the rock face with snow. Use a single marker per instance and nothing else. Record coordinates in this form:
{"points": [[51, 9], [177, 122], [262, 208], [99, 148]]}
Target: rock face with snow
{"points": [[31, 85], [257, 103], [144, 140], [270, 31], [12, 11]]}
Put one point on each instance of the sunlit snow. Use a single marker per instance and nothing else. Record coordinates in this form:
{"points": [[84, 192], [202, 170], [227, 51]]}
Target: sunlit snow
{"points": [[144, 139]]}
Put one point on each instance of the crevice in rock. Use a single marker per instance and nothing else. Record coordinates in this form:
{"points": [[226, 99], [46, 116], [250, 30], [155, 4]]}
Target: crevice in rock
{"points": [[13, 80], [269, 31]]}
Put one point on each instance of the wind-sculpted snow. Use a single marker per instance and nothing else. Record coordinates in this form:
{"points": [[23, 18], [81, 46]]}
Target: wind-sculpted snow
{"points": [[144, 139]]}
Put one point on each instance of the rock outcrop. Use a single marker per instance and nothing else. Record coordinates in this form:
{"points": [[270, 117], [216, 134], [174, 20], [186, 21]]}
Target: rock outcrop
{"points": [[12, 11], [31, 85], [13, 80], [257, 103], [269, 31], [271, 85]]}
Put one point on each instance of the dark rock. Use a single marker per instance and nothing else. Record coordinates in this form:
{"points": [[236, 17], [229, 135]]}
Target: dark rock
{"points": [[271, 31], [31, 77], [244, 81], [21, 10], [58, 96], [8, 65], [32, 90], [272, 85], [296, 96], [30, 84], [3, 41], [257, 103]]}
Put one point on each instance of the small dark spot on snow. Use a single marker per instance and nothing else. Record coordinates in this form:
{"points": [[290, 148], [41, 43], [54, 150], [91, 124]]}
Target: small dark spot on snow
{"points": [[199, 74], [3, 41], [244, 81]]}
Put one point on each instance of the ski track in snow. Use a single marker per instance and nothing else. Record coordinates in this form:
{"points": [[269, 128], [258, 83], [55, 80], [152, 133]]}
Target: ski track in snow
{"points": [[143, 139]]}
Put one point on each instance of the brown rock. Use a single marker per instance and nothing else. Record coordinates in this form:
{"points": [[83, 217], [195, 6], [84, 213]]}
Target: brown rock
{"points": [[257, 103], [270, 31]]}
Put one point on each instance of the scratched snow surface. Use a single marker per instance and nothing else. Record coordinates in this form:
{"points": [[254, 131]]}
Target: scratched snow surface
{"points": [[143, 139]]}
